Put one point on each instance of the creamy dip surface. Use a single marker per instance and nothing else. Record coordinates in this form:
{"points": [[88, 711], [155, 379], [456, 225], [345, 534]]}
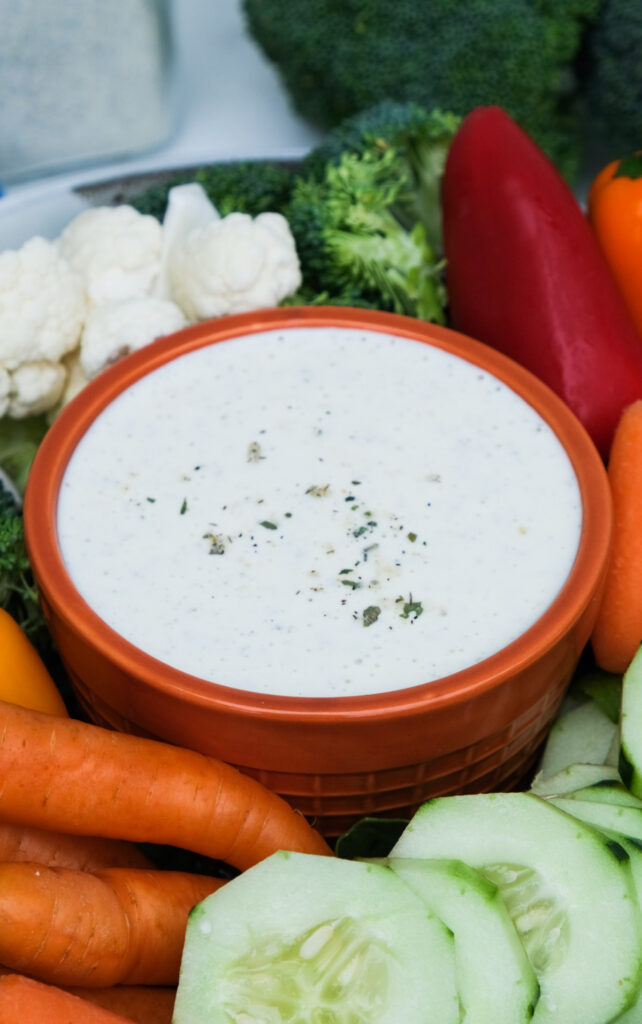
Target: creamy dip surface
{"points": [[319, 512]]}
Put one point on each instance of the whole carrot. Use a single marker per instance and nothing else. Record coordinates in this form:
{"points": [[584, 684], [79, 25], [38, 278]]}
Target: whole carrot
{"points": [[118, 926], [84, 853], [142, 1004], [66, 775], [25, 1001], [618, 630]]}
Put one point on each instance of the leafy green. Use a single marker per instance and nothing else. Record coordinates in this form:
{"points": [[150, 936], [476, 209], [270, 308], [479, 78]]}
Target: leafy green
{"points": [[18, 594], [19, 442], [370, 837]]}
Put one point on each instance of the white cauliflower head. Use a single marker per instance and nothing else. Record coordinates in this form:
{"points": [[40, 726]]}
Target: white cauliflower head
{"points": [[35, 388], [234, 265], [116, 250], [113, 331], [42, 304]]}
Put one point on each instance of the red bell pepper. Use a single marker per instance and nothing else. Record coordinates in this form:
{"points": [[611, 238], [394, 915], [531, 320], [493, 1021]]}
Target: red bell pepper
{"points": [[525, 273]]}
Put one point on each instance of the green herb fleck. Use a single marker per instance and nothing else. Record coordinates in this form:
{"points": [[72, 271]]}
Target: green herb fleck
{"points": [[412, 537], [343, 572], [268, 525], [371, 614], [254, 452], [217, 543], [351, 583], [414, 608], [288, 515], [184, 507], [359, 532], [318, 491], [150, 500]]}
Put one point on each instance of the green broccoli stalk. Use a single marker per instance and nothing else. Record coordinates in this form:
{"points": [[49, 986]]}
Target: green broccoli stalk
{"points": [[247, 186], [421, 139], [339, 58], [352, 246]]}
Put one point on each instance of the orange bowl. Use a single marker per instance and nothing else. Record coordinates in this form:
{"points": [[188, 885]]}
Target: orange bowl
{"points": [[334, 758]]}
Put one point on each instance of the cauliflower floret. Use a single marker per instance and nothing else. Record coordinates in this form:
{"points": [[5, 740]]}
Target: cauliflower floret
{"points": [[188, 207], [75, 382], [116, 250], [35, 388], [113, 331], [234, 265], [42, 305]]}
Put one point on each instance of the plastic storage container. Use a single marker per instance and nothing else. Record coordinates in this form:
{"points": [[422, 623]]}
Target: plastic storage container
{"points": [[81, 82]]}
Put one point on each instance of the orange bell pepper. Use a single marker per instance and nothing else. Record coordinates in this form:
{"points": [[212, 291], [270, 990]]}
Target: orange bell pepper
{"points": [[24, 679], [615, 212]]}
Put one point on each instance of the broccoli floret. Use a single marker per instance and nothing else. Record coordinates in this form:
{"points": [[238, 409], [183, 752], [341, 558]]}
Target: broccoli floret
{"points": [[613, 76], [339, 58], [248, 186], [420, 137], [353, 248]]}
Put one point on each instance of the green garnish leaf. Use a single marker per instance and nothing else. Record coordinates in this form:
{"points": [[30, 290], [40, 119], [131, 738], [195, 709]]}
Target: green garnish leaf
{"points": [[371, 614], [629, 167], [370, 837], [414, 608], [351, 583], [184, 507], [268, 525]]}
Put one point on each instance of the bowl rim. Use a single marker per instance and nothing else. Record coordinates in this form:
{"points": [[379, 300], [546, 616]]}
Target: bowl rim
{"points": [[58, 591]]}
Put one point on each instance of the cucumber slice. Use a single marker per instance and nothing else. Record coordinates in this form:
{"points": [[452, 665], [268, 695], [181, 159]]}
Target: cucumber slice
{"points": [[574, 776], [583, 735], [496, 982], [631, 726], [605, 792], [305, 939], [634, 1014], [616, 819], [550, 870]]}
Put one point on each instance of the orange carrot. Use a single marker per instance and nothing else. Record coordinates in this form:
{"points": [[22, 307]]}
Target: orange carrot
{"points": [[118, 926], [24, 679], [66, 775], [25, 1001], [618, 630], [85, 853], [142, 1004]]}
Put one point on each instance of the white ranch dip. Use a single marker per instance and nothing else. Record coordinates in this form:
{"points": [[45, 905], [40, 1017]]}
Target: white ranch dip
{"points": [[319, 512]]}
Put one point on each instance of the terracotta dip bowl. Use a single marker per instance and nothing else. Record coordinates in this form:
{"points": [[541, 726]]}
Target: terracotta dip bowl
{"points": [[354, 554]]}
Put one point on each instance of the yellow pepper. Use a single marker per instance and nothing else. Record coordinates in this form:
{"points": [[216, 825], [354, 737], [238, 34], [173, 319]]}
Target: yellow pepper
{"points": [[615, 213], [24, 679]]}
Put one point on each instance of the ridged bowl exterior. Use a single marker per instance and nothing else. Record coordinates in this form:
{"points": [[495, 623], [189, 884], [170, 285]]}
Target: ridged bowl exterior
{"points": [[336, 759]]}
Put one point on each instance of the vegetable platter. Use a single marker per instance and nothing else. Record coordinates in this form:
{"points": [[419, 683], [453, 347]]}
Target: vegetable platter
{"points": [[262, 922]]}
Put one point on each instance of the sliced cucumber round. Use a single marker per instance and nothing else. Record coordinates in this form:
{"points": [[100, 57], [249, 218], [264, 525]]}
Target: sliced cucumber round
{"points": [[631, 726], [584, 734], [301, 939], [615, 818], [573, 777], [496, 982], [570, 896]]}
